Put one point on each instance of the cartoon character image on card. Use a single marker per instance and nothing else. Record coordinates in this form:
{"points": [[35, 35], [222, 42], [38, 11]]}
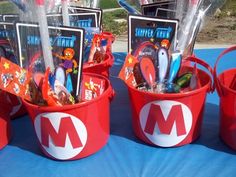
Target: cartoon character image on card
{"points": [[69, 62], [67, 48], [147, 34]]}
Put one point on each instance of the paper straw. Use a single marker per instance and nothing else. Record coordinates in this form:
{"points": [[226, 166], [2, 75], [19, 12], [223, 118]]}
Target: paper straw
{"points": [[65, 13], [44, 34]]}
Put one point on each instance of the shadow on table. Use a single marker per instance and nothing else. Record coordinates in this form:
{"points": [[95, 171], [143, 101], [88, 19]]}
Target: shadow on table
{"points": [[210, 130], [24, 136], [121, 124]]}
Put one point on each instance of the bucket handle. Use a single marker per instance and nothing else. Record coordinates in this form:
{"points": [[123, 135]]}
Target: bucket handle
{"points": [[207, 66], [216, 80], [112, 95], [111, 59]]}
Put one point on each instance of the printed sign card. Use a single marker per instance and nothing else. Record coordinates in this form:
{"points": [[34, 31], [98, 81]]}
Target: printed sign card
{"points": [[165, 13], [76, 9], [10, 17], [14, 79], [8, 46], [67, 48], [146, 34], [151, 9], [81, 20], [92, 87]]}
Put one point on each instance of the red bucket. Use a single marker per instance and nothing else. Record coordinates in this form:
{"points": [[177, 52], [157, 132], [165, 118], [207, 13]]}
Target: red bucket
{"points": [[73, 131], [16, 103], [5, 128], [170, 120], [110, 39], [100, 68], [227, 96], [17, 107]]}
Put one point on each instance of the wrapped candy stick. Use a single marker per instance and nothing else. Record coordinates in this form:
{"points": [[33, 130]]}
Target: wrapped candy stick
{"points": [[44, 34], [95, 3], [187, 24], [65, 13]]}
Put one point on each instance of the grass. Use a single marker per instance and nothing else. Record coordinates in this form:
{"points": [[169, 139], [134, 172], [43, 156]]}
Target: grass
{"points": [[229, 6], [106, 4], [109, 23], [7, 8]]}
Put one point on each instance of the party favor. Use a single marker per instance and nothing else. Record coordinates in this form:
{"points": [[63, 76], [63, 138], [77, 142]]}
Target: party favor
{"points": [[151, 9], [67, 47], [127, 71], [147, 34], [14, 79], [80, 20], [98, 11]]}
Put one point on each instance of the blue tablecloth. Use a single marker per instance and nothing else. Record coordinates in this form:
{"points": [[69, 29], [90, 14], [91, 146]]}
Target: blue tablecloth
{"points": [[125, 155]]}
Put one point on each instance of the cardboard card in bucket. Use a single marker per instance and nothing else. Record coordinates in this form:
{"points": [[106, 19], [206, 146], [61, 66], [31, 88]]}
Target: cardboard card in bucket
{"points": [[76, 9], [67, 49], [8, 44], [149, 33], [10, 17], [151, 66], [81, 20], [152, 8], [86, 20]]}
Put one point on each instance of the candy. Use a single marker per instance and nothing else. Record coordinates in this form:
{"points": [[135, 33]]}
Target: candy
{"points": [[137, 74], [184, 80]]}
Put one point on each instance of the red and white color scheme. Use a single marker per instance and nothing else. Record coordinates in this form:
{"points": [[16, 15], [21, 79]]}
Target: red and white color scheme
{"points": [[225, 85], [165, 123], [170, 119], [61, 135], [71, 132], [5, 127]]}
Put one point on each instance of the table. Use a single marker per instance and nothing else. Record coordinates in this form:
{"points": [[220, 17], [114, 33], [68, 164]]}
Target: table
{"points": [[125, 155]]}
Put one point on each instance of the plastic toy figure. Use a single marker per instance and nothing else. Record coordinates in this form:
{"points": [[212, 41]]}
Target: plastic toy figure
{"points": [[70, 63]]}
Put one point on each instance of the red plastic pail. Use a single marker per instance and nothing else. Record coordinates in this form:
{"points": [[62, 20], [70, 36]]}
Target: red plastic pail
{"points": [[100, 68], [169, 120], [5, 128], [227, 102], [17, 106], [73, 131], [110, 39]]}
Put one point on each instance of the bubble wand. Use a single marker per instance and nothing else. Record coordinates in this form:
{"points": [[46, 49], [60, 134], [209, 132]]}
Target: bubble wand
{"points": [[186, 26], [183, 39], [180, 6], [128, 7], [44, 34], [65, 13]]}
